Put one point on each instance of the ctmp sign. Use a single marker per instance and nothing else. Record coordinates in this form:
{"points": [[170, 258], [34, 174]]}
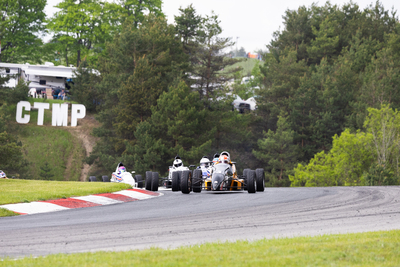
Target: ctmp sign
{"points": [[59, 113]]}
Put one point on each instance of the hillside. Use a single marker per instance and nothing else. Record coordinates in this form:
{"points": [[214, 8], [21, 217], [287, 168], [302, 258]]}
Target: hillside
{"points": [[56, 153], [247, 64]]}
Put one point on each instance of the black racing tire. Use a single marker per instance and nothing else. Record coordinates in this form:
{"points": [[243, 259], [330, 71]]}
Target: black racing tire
{"points": [[176, 181], [260, 180], [245, 178], [186, 182], [105, 178], [149, 177], [139, 180], [251, 181], [154, 181], [92, 179], [197, 180]]}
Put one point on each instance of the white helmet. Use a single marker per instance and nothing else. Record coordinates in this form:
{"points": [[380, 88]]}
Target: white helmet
{"points": [[178, 162], [226, 154], [204, 162]]}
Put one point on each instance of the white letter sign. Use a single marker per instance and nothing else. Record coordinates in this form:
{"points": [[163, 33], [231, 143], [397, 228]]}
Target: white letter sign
{"points": [[75, 115], [60, 115], [41, 107], [20, 106]]}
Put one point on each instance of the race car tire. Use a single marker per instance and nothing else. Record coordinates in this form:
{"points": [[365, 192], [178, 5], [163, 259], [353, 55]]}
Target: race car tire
{"points": [[186, 182], [92, 179], [149, 177], [154, 181], [245, 178], [251, 181], [105, 178], [139, 181], [176, 181], [260, 180], [197, 180]]}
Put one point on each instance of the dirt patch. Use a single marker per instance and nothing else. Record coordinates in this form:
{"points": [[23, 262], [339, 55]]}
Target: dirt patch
{"points": [[83, 131]]}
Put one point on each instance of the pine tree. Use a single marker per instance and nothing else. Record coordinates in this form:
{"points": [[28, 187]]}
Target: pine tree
{"points": [[45, 171], [279, 152], [178, 125]]}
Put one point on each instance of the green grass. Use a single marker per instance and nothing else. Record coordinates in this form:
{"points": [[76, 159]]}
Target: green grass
{"points": [[247, 64], [53, 145], [18, 191], [363, 249]]}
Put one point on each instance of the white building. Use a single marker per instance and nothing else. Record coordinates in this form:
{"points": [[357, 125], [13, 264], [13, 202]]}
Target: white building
{"points": [[38, 76]]}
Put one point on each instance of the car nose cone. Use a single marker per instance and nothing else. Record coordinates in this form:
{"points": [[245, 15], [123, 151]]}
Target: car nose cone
{"points": [[217, 178]]}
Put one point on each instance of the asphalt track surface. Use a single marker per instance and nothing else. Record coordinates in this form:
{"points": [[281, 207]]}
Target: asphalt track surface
{"points": [[176, 220]]}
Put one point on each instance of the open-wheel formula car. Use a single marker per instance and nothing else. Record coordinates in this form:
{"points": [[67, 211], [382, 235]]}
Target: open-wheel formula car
{"points": [[122, 176], [3, 175], [173, 180], [224, 179]]}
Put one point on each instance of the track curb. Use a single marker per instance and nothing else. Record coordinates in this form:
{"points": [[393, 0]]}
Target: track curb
{"points": [[35, 207]]}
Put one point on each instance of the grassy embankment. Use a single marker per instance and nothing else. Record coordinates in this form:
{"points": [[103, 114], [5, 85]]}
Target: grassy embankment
{"points": [[247, 64], [19, 191], [363, 249], [55, 145]]}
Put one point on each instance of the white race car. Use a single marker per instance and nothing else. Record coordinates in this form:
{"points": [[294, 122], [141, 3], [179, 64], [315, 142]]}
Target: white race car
{"points": [[174, 176], [122, 176], [173, 180], [3, 175]]}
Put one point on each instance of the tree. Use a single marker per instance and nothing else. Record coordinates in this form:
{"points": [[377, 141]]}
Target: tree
{"points": [[188, 26], [326, 42], [280, 81], [11, 156], [21, 23], [84, 87], [137, 96], [278, 151], [344, 164], [81, 26], [45, 171], [134, 10], [384, 125], [149, 152], [182, 124], [209, 59], [137, 67]]}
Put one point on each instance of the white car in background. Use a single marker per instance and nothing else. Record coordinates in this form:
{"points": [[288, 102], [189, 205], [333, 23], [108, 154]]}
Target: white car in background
{"points": [[242, 105], [3, 175], [173, 180], [122, 176]]}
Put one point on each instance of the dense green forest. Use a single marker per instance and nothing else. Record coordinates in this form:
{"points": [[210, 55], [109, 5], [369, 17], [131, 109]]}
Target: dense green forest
{"points": [[326, 91]]}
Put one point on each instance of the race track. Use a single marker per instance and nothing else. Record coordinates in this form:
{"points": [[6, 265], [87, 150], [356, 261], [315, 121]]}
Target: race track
{"points": [[176, 219]]}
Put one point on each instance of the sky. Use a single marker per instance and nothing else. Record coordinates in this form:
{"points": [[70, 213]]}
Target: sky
{"points": [[250, 23]]}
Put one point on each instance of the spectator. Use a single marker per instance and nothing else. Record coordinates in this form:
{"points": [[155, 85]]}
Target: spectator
{"points": [[61, 95], [32, 92]]}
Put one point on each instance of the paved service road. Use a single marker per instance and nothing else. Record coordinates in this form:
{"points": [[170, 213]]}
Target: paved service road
{"points": [[176, 219]]}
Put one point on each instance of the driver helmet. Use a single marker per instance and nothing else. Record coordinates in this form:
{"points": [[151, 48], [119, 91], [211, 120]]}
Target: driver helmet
{"points": [[204, 162], [121, 169], [224, 153], [216, 156], [2, 174], [177, 162], [223, 159]]}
